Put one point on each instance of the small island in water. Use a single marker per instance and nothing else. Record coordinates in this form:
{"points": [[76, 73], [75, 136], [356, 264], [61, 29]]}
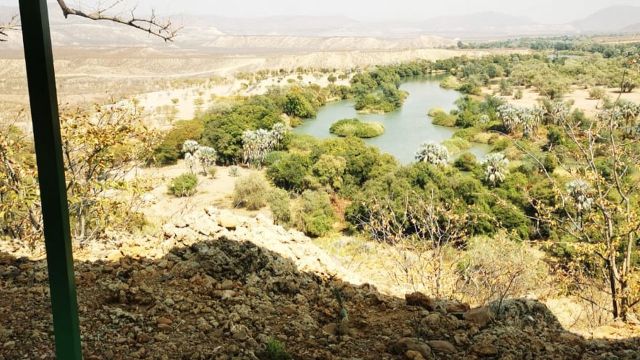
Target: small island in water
{"points": [[357, 128]]}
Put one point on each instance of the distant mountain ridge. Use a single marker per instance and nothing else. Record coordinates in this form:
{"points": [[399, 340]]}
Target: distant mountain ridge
{"points": [[611, 20], [280, 25], [304, 33]]}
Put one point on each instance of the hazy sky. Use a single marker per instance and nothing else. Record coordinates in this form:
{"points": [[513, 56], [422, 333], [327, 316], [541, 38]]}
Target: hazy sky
{"points": [[546, 11]]}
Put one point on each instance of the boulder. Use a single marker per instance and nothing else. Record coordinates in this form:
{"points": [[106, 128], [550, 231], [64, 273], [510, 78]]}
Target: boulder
{"points": [[479, 316], [206, 226], [402, 346], [442, 346], [413, 355], [228, 221], [420, 299], [484, 349], [456, 307]]}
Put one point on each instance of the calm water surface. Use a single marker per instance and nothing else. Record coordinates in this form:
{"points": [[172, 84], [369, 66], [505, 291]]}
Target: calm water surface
{"points": [[405, 129]]}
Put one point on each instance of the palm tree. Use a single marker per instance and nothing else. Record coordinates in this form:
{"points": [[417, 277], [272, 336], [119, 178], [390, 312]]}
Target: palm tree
{"points": [[495, 168], [433, 153]]}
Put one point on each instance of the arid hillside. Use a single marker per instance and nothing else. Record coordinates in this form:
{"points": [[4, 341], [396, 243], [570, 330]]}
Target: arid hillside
{"points": [[225, 299], [98, 74]]}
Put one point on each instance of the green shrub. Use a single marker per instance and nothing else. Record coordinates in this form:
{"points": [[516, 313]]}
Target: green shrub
{"points": [[466, 162], [363, 162], [223, 129], [470, 190], [467, 134], [211, 171], [289, 172], [456, 145], [250, 192], [442, 118], [512, 218], [377, 90], [315, 216], [274, 350], [303, 142], [450, 82], [498, 268], [596, 93], [300, 103], [484, 137], [184, 185], [554, 88], [169, 150], [470, 88], [234, 171], [272, 157], [500, 144], [280, 206], [550, 162], [357, 128], [518, 94], [466, 118], [329, 170], [505, 88]]}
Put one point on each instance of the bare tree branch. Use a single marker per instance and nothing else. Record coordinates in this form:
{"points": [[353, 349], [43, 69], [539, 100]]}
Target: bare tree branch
{"points": [[163, 29], [5, 28]]}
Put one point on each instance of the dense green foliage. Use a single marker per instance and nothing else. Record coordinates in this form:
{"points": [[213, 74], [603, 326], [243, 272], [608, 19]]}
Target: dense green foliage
{"points": [[223, 130], [329, 171], [19, 210], [489, 211], [250, 192], [169, 150], [550, 76], [290, 171], [102, 147], [495, 193], [297, 104], [184, 185], [363, 174], [315, 216], [357, 128], [565, 44], [378, 90], [466, 162], [442, 118], [280, 206]]}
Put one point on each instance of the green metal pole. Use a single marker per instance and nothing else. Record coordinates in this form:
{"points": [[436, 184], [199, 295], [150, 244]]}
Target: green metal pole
{"points": [[48, 144]]}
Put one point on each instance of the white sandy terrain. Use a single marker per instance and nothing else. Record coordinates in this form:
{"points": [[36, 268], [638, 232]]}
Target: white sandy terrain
{"points": [[216, 191]]}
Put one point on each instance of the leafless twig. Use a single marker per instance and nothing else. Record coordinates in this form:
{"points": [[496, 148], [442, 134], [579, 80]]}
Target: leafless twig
{"points": [[5, 28], [163, 29]]}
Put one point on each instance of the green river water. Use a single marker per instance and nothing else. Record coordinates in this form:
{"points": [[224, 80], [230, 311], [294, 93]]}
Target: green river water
{"points": [[406, 128]]}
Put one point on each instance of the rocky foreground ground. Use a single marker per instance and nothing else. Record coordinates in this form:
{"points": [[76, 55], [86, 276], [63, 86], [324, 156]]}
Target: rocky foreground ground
{"points": [[214, 296]]}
